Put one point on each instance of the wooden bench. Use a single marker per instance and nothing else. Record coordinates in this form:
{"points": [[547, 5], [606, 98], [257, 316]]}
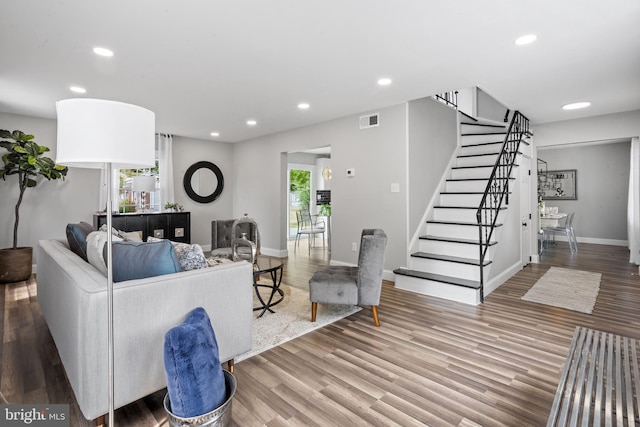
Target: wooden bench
{"points": [[600, 383]]}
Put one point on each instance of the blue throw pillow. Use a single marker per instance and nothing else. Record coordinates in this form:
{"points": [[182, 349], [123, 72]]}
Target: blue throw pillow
{"points": [[195, 381], [137, 260], [77, 238]]}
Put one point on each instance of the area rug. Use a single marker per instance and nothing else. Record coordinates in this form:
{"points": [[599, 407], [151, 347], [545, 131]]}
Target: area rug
{"points": [[292, 318], [562, 287]]}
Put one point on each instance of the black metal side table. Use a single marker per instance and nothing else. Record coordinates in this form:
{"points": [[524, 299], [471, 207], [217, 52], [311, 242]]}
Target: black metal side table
{"points": [[272, 267]]}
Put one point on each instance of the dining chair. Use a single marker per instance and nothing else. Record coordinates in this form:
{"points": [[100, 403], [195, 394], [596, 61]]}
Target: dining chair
{"points": [[566, 229], [309, 226]]}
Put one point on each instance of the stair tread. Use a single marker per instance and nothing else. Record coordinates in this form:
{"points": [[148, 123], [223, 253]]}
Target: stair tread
{"points": [[474, 179], [471, 192], [474, 284], [463, 207], [479, 166], [483, 133], [494, 153], [454, 240], [481, 144], [450, 258], [465, 223], [489, 125]]}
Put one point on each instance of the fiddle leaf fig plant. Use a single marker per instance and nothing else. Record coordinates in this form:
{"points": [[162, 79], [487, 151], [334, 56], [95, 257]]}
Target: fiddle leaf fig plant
{"points": [[24, 158]]}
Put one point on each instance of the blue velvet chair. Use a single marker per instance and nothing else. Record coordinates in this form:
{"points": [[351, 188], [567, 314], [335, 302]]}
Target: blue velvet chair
{"points": [[359, 285]]}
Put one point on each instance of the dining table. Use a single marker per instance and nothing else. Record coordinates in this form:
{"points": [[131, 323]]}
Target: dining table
{"points": [[551, 219]]}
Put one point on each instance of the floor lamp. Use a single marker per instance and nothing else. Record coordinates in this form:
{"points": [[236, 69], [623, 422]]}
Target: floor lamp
{"points": [[95, 133]]}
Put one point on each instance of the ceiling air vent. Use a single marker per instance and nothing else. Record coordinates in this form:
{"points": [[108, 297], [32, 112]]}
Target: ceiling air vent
{"points": [[369, 121]]}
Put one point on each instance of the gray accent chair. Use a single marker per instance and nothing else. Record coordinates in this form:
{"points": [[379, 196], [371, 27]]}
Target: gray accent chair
{"points": [[222, 236], [359, 285]]}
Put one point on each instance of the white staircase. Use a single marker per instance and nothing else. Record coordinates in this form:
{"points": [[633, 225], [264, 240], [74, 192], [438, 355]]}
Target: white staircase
{"points": [[446, 262]]}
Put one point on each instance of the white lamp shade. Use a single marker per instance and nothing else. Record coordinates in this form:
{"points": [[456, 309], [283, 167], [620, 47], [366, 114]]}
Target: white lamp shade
{"points": [[144, 183], [92, 132]]}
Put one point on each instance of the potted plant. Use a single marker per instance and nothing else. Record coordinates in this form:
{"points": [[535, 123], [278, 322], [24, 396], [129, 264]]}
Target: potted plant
{"points": [[23, 158]]}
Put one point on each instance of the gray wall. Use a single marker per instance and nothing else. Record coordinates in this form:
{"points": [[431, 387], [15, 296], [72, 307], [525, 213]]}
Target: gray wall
{"points": [[489, 108], [49, 207], [598, 128], [602, 187], [364, 201], [187, 151], [433, 139], [600, 194]]}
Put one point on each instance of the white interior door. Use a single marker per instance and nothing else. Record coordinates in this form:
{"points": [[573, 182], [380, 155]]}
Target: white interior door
{"points": [[525, 210]]}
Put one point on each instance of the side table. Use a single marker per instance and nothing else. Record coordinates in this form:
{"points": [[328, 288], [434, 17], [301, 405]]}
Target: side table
{"points": [[273, 267]]}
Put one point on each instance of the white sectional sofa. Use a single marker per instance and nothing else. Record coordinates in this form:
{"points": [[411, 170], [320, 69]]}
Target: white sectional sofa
{"points": [[73, 298]]}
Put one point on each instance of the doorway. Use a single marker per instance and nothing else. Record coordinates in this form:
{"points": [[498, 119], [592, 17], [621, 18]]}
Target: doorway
{"points": [[299, 195]]}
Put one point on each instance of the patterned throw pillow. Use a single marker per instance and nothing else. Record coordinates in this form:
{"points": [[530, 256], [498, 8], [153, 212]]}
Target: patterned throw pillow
{"points": [[191, 257]]}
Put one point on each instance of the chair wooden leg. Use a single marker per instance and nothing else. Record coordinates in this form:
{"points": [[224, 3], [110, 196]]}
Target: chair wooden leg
{"points": [[314, 311], [374, 310], [230, 365], [100, 421]]}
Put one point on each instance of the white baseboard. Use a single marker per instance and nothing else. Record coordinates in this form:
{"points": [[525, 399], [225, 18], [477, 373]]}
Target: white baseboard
{"points": [[596, 241], [495, 282], [278, 253]]}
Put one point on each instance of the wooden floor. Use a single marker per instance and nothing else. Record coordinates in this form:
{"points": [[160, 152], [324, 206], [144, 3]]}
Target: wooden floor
{"points": [[432, 362]]}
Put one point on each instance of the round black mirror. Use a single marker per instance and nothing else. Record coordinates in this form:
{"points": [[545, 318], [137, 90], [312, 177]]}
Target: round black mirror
{"points": [[203, 182]]}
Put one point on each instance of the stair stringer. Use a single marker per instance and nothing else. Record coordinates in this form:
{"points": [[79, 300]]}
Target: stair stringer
{"points": [[413, 242]]}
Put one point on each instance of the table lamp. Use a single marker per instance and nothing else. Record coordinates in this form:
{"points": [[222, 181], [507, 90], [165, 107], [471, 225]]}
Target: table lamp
{"points": [[143, 184], [95, 133]]}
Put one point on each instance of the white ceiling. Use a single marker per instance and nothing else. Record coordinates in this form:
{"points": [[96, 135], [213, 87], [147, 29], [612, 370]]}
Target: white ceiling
{"points": [[209, 65]]}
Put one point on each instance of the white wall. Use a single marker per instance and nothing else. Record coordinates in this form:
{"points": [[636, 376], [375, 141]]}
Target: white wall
{"points": [[365, 201]]}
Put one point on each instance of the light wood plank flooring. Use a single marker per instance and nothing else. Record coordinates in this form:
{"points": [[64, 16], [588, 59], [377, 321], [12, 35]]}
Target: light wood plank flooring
{"points": [[432, 362]]}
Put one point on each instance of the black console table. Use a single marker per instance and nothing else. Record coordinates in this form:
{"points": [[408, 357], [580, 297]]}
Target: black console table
{"points": [[174, 226]]}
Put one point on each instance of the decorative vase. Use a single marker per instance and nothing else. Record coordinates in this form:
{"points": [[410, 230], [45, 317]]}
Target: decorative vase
{"points": [[15, 264]]}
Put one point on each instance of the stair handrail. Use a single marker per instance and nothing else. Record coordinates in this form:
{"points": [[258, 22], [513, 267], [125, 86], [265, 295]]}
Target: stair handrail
{"points": [[497, 189], [448, 98]]}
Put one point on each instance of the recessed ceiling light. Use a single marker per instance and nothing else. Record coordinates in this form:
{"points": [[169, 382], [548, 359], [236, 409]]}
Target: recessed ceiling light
{"points": [[252, 122], [215, 134], [529, 38], [303, 106], [102, 51], [384, 82], [77, 89], [576, 105]]}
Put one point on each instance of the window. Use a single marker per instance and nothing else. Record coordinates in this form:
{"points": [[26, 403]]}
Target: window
{"points": [[145, 198]]}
